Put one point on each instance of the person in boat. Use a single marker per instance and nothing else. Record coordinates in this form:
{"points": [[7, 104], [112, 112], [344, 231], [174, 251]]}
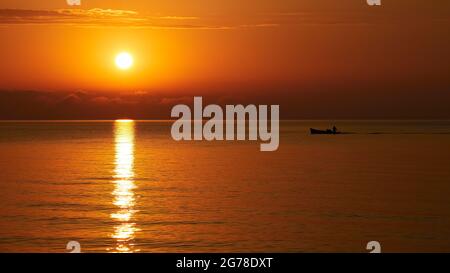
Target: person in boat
{"points": [[334, 130]]}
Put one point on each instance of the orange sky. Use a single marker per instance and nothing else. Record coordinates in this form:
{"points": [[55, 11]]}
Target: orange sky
{"points": [[302, 50]]}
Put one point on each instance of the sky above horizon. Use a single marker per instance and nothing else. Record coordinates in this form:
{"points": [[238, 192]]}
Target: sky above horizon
{"points": [[317, 59]]}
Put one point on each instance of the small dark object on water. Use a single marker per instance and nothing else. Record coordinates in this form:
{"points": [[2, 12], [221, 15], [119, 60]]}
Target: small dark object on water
{"points": [[333, 131]]}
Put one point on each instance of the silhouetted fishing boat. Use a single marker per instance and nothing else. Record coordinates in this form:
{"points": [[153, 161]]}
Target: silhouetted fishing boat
{"points": [[323, 132]]}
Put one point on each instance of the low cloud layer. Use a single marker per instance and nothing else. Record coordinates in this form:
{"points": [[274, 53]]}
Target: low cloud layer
{"points": [[39, 105]]}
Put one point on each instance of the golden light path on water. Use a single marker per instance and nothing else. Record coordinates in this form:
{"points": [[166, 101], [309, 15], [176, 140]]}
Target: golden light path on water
{"points": [[124, 197]]}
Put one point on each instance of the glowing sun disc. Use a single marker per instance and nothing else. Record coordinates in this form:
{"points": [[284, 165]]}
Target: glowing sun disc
{"points": [[124, 60]]}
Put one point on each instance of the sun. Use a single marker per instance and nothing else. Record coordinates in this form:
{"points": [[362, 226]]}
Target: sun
{"points": [[124, 61]]}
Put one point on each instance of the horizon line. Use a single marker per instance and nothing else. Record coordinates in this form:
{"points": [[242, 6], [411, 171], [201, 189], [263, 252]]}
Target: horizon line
{"points": [[172, 120]]}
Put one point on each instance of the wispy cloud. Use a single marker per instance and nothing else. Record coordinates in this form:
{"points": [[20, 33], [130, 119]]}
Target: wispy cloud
{"points": [[127, 18], [354, 17], [111, 18]]}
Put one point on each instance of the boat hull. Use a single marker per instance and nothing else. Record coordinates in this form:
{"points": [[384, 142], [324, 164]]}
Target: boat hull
{"points": [[321, 132]]}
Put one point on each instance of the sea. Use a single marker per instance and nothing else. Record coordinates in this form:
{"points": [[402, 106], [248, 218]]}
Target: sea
{"points": [[127, 186]]}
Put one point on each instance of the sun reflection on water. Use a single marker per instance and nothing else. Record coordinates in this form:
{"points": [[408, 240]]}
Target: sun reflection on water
{"points": [[124, 196]]}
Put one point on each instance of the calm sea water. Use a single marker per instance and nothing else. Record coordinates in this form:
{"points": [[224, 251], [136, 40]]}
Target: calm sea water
{"points": [[128, 187]]}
